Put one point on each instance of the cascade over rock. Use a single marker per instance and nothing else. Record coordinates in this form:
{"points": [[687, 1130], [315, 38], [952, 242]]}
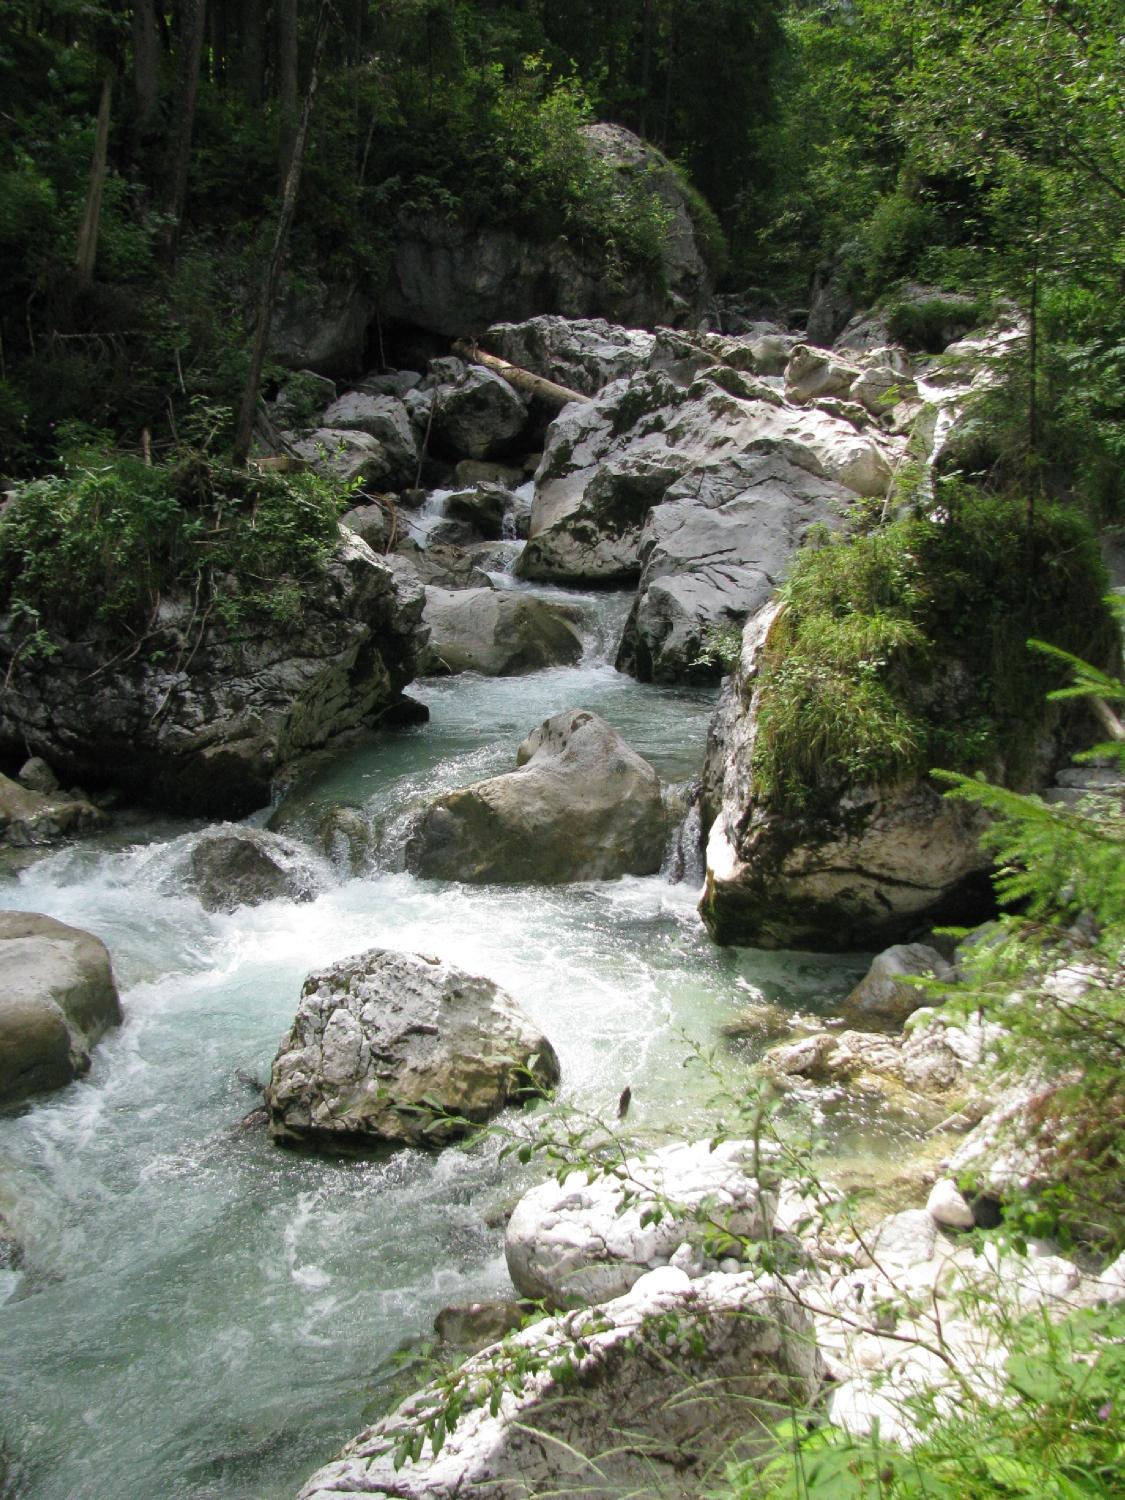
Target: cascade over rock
{"points": [[57, 998], [207, 715], [231, 866], [581, 805], [697, 478], [383, 1039]]}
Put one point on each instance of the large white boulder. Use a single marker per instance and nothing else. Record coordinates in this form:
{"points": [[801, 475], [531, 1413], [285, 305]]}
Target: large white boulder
{"points": [[642, 1395], [385, 1045], [586, 1240]]}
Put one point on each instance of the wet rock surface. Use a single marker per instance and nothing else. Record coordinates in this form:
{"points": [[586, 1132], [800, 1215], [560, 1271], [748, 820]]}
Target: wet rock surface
{"points": [[57, 999], [385, 1044], [581, 805]]}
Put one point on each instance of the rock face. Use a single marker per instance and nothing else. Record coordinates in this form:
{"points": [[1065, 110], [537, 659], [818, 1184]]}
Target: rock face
{"points": [[456, 279], [581, 805], [207, 716], [607, 462], [582, 353], [498, 632], [57, 998], [713, 551], [232, 867], [870, 870], [320, 326], [579, 1242], [28, 817], [642, 1397], [378, 1036]]}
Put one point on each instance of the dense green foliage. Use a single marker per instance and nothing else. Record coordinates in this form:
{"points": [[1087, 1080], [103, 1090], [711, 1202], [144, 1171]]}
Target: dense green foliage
{"points": [[466, 109], [903, 647], [102, 543], [981, 148], [1056, 1434]]}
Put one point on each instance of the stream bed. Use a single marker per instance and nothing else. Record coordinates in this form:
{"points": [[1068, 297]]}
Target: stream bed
{"points": [[202, 1314]]}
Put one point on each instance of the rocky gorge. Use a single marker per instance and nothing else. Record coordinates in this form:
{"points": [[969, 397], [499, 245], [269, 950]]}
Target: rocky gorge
{"points": [[525, 915]]}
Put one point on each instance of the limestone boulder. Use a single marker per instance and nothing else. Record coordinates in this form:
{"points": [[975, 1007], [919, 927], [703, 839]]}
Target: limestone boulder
{"points": [[372, 523], [231, 867], [441, 565], [883, 863], [57, 999], [812, 372], [203, 718], [584, 354], [583, 1241], [482, 508], [863, 870], [499, 632], [475, 413], [347, 455], [712, 553], [385, 1044], [28, 818], [581, 805], [384, 418], [608, 461], [885, 996], [640, 1396]]}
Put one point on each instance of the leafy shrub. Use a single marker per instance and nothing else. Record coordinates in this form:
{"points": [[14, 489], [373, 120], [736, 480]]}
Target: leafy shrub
{"points": [[931, 324], [103, 543], [1055, 1434], [903, 648]]}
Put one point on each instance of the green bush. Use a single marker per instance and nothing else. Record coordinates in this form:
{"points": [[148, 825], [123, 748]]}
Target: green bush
{"points": [[104, 542], [929, 325], [904, 648]]}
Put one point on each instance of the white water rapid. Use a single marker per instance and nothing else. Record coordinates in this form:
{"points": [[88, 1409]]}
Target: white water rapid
{"points": [[204, 1316]]}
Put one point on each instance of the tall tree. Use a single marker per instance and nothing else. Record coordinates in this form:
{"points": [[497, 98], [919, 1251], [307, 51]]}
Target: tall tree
{"points": [[87, 250], [146, 60], [285, 16], [244, 428], [193, 18]]}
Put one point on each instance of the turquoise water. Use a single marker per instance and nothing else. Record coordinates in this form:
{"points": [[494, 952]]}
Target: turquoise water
{"points": [[204, 1315]]}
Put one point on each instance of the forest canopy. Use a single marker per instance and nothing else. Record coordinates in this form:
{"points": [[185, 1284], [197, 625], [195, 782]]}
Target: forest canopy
{"points": [[979, 148]]}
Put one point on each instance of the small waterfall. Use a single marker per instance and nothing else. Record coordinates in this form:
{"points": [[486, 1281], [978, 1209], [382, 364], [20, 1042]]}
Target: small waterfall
{"points": [[683, 861]]}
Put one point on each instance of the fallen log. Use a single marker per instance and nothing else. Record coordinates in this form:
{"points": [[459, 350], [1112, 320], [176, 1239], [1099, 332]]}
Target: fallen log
{"points": [[521, 380]]}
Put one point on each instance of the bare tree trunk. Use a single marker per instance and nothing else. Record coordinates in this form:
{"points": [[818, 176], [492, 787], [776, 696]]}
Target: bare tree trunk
{"points": [[146, 60], [521, 380], [253, 51], [244, 429], [87, 251], [287, 59], [192, 19]]}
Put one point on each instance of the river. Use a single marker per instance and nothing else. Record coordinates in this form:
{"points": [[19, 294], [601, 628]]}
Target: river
{"points": [[203, 1314]]}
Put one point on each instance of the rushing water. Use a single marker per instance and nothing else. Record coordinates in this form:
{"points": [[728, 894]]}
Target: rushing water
{"points": [[205, 1315]]}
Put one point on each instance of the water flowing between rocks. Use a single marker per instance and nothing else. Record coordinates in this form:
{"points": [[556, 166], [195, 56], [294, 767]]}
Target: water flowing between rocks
{"points": [[202, 1314]]}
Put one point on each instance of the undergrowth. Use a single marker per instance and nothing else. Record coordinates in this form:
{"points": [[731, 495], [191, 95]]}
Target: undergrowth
{"points": [[904, 647], [102, 544]]}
